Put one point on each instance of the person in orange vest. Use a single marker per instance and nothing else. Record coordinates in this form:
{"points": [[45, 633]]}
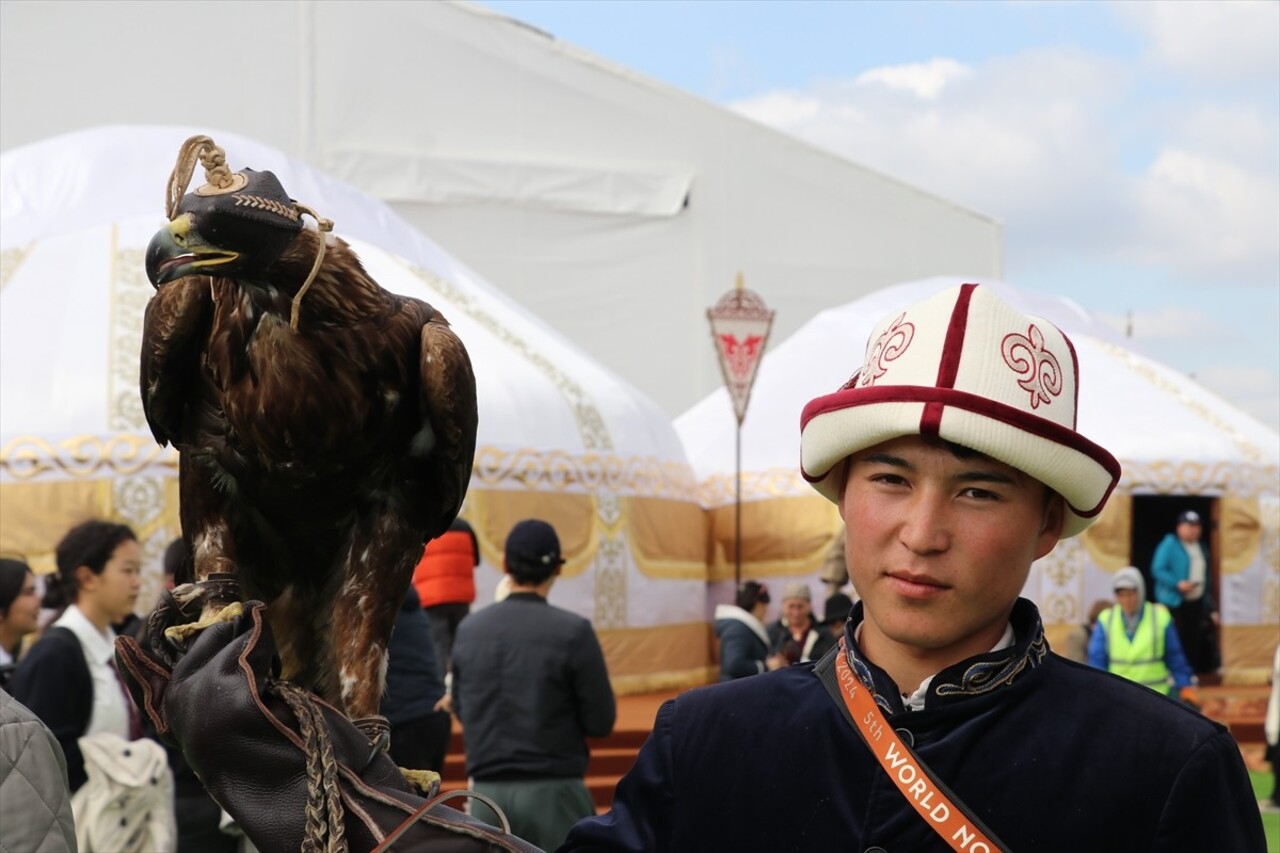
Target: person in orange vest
{"points": [[446, 584]]}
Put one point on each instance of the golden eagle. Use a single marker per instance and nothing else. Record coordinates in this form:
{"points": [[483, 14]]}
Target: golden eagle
{"points": [[326, 427]]}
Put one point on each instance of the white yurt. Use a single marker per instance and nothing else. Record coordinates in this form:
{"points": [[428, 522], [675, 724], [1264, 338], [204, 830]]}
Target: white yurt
{"points": [[1179, 445], [560, 437]]}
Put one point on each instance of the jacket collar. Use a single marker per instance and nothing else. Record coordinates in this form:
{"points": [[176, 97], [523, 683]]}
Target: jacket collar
{"points": [[976, 676]]}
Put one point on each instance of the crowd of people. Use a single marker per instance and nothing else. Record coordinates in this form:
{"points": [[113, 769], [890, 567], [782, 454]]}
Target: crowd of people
{"points": [[927, 714]]}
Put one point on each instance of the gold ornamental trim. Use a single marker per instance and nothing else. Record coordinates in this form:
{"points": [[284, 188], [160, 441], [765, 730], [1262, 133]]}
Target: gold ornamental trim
{"points": [[559, 471], [10, 260], [29, 457], [719, 489]]}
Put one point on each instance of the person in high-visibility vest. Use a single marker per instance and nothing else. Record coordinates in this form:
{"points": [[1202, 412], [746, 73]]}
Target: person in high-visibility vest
{"points": [[1136, 639]]}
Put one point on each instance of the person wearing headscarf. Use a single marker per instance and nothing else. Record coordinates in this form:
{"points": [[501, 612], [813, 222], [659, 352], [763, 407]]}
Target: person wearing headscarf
{"points": [[1136, 639]]}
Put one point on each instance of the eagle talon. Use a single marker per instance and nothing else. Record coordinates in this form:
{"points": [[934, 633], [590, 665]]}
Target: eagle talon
{"points": [[180, 635], [426, 782]]}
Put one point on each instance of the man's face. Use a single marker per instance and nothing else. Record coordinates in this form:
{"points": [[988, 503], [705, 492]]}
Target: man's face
{"points": [[939, 547], [1189, 531], [795, 611], [1128, 600]]}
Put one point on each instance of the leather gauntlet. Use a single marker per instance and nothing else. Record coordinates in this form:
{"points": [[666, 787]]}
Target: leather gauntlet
{"points": [[292, 770]]}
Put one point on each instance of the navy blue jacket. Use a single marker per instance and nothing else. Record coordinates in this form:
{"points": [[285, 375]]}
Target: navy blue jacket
{"points": [[54, 682], [414, 684], [1050, 754], [744, 643]]}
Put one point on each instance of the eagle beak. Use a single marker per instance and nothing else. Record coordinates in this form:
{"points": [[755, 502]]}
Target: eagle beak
{"points": [[178, 249]]}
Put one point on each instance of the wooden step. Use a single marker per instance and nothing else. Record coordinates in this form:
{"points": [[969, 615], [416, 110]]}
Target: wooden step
{"points": [[1241, 708]]}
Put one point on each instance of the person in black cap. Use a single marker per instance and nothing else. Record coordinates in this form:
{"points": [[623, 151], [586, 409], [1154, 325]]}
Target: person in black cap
{"points": [[835, 611], [529, 685], [1180, 569]]}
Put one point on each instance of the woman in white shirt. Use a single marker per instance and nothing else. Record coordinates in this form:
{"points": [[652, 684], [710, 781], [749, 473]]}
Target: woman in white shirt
{"points": [[68, 679]]}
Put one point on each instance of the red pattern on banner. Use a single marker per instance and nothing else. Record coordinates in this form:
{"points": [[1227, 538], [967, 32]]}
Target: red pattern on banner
{"points": [[740, 355]]}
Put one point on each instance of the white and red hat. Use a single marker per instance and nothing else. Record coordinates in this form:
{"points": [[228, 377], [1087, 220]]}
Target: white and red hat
{"points": [[966, 367]]}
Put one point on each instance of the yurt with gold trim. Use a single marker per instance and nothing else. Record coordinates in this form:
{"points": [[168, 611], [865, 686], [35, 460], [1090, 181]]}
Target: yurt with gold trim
{"points": [[560, 437], [1180, 446]]}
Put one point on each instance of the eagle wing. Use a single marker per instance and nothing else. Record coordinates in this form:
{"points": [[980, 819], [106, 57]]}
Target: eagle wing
{"points": [[175, 329], [449, 401]]}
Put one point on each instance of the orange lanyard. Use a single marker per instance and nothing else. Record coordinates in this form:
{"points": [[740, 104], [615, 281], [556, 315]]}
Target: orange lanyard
{"points": [[926, 795]]}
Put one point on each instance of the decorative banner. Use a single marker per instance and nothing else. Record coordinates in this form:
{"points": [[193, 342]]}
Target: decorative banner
{"points": [[740, 324]]}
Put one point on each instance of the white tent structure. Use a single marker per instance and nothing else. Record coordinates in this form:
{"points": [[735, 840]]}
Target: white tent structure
{"points": [[613, 206], [560, 436], [1172, 437]]}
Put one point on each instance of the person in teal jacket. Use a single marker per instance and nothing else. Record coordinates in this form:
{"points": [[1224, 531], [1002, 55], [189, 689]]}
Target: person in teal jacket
{"points": [[1136, 639], [1180, 569]]}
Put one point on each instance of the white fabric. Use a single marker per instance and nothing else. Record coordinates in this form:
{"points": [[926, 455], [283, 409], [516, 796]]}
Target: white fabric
{"points": [[5, 657], [110, 713], [1195, 571], [810, 640], [559, 176], [71, 203], [126, 806], [443, 180], [79, 210]]}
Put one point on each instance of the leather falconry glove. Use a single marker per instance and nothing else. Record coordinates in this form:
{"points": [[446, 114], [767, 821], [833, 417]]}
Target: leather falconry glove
{"points": [[292, 770]]}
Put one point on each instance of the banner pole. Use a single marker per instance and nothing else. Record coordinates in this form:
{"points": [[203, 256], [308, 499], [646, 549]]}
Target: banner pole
{"points": [[740, 323], [737, 509]]}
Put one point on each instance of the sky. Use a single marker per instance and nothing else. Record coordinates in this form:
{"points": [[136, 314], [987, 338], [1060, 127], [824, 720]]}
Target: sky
{"points": [[1130, 149]]}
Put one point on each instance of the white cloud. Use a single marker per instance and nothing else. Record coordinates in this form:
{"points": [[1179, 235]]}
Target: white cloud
{"points": [[1216, 41], [924, 79], [1212, 215], [1024, 138], [1053, 143]]}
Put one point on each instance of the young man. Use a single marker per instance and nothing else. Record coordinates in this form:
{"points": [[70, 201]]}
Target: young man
{"points": [[953, 456], [529, 685]]}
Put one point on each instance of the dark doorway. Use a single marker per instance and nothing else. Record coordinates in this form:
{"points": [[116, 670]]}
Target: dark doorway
{"points": [[1154, 516]]}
